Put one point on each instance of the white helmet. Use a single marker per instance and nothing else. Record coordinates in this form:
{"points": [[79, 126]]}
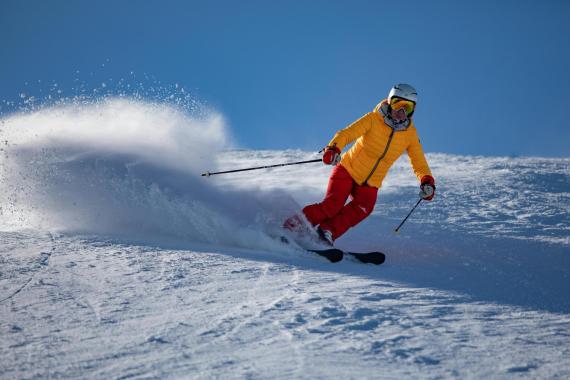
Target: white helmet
{"points": [[404, 91]]}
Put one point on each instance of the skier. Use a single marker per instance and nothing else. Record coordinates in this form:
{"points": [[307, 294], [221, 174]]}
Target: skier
{"points": [[381, 137]]}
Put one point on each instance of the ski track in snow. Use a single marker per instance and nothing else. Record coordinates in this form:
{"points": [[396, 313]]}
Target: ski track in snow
{"points": [[136, 268]]}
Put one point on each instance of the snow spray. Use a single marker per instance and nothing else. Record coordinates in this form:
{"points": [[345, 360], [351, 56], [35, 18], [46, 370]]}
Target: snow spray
{"points": [[125, 168]]}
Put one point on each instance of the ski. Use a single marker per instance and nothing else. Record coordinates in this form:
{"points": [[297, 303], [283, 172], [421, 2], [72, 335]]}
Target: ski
{"points": [[333, 255], [376, 258]]}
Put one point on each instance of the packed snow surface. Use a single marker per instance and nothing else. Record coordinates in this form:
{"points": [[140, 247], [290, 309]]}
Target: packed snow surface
{"points": [[118, 260]]}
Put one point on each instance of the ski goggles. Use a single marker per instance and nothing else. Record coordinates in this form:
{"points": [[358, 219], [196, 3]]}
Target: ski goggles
{"points": [[397, 103]]}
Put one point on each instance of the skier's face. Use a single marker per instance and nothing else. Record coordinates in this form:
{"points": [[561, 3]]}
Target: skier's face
{"points": [[401, 108], [399, 114]]}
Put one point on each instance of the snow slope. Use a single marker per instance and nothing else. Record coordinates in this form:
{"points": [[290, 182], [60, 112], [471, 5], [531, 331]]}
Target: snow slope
{"points": [[118, 260]]}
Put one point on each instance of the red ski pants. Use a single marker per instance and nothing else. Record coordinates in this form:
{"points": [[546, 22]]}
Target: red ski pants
{"points": [[332, 213]]}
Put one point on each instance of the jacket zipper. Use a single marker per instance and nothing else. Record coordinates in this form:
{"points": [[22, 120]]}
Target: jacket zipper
{"points": [[381, 157]]}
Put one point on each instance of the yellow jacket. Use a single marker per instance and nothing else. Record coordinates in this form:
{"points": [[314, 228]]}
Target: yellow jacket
{"points": [[377, 146]]}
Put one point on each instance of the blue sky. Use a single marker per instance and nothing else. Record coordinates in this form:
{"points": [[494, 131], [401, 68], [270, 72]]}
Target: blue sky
{"points": [[493, 76]]}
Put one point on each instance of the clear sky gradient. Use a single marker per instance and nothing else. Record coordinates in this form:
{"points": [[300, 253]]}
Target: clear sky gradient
{"points": [[493, 76]]}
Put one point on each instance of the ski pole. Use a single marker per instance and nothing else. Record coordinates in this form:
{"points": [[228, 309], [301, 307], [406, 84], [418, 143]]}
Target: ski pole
{"points": [[207, 174], [397, 230]]}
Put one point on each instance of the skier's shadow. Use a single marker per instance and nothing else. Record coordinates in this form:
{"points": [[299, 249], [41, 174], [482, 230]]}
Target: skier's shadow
{"points": [[502, 270]]}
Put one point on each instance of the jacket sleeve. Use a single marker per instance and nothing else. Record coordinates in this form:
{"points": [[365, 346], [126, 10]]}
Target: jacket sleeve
{"points": [[418, 158], [347, 135]]}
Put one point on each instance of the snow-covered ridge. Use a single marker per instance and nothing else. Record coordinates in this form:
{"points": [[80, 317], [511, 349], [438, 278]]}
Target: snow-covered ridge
{"points": [[525, 198]]}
